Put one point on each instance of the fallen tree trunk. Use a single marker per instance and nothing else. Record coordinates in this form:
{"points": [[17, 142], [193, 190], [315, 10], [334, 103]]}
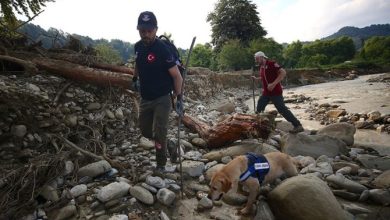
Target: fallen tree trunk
{"points": [[28, 66], [89, 61], [82, 73], [235, 127]]}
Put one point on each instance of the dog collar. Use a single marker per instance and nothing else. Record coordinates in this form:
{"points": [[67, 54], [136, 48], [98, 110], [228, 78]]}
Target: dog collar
{"points": [[258, 167]]}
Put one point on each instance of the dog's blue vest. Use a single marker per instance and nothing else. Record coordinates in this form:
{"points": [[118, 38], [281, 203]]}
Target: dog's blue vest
{"points": [[258, 167]]}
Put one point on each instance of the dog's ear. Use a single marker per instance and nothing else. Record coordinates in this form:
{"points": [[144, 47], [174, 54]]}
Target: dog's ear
{"points": [[226, 184]]}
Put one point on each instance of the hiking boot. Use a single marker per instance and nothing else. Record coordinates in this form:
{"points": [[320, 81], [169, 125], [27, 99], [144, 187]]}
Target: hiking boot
{"points": [[159, 171], [296, 129], [173, 151]]}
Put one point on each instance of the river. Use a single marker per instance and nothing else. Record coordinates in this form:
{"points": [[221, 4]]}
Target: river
{"points": [[355, 96]]}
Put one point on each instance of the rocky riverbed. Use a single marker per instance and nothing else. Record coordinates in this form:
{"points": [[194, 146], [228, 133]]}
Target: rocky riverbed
{"points": [[48, 125]]}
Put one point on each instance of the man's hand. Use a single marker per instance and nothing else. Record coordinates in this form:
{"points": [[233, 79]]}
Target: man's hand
{"points": [[135, 83], [271, 86], [179, 105]]}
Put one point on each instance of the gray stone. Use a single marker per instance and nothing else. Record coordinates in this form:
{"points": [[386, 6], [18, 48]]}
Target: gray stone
{"points": [[79, 190], [382, 181], [149, 187], [263, 211], [205, 203], [305, 198], [65, 212], [355, 209], [113, 191], [374, 162], [346, 195], [342, 182], [146, 143], [156, 181], [19, 130], [233, 198], [94, 169], [199, 142], [312, 145], [166, 196], [193, 168], [93, 106], [380, 196], [142, 195], [343, 131]]}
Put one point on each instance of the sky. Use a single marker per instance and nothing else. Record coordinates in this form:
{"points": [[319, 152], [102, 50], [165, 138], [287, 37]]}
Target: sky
{"points": [[284, 20]]}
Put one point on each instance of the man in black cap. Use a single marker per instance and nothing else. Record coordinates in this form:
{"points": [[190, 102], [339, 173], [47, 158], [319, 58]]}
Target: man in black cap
{"points": [[158, 75]]}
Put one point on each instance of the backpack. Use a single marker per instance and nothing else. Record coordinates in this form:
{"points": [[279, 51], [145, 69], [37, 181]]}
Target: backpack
{"points": [[173, 50]]}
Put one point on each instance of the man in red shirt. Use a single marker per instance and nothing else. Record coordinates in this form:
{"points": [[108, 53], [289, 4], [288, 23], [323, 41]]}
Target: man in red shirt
{"points": [[271, 74]]}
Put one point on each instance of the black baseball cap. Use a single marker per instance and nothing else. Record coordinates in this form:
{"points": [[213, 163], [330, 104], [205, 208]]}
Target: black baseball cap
{"points": [[147, 20]]}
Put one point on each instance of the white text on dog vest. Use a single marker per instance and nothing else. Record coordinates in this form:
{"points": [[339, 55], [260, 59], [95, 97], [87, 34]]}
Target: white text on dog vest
{"points": [[261, 166]]}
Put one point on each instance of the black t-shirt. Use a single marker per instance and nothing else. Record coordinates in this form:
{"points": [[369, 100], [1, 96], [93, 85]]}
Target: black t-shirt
{"points": [[153, 63]]}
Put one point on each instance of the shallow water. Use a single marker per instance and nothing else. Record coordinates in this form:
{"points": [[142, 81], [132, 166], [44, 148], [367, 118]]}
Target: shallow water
{"points": [[355, 96]]}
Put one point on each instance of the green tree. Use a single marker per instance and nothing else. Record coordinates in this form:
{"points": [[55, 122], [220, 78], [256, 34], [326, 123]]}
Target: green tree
{"points": [[234, 57], [269, 46], [108, 54], [377, 49], [22, 7], [234, 19], [201, 56], [292, 53]]}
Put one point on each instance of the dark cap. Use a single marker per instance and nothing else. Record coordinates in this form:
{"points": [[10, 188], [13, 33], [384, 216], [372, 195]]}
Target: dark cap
{"points": [[147, 20]]}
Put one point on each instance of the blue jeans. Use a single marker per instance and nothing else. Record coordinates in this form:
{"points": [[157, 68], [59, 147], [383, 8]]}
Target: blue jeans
{"points": [[278, 102]]}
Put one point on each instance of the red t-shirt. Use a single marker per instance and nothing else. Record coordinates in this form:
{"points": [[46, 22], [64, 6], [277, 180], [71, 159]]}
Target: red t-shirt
{"points": [[268, 74]]}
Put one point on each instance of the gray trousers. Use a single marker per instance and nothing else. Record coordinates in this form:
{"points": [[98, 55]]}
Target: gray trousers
{"points": [[278, 102], [153, 122]]}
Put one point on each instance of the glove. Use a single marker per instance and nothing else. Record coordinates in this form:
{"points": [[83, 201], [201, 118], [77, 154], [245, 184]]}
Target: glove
{"points": [[135, 83], [179, 105]]}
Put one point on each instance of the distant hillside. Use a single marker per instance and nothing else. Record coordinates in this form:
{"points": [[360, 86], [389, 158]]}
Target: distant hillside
{"points": [[54, 38], [359, 35]]}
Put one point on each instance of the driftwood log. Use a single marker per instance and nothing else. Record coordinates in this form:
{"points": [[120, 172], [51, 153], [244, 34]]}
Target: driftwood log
{"points": [[235, 127]]}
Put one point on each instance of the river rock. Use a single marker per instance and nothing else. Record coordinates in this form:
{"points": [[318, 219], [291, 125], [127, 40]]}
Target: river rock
{"points": [[263, 211], [374, 162], [380, 196], [382, 181], [19, 130], [79, 190], [342, 182], [193, 168], [305, 197], [94, 169], [146, 143], [113, 191], [166, 196], [335, 113], [64, 213], [342, 131], [341, 164], [142, 195], [199, 142], [312, 145]]}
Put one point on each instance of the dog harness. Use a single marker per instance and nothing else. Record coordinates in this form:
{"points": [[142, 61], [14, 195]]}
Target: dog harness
{"points": [[258, 167]]}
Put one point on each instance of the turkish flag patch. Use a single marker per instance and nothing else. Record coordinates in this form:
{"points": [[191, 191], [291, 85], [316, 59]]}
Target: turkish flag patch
{"points": [[151, 58]]}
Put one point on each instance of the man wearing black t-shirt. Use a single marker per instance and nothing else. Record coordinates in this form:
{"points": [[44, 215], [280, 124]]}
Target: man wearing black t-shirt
{"points": [[158, 75]]}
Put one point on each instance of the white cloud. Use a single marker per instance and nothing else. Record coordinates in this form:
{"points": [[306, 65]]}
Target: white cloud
{"points": [[309, 20], [117, 19], [285, 20]]}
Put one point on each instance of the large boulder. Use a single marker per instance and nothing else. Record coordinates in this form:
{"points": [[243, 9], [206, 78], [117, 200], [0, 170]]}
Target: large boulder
{"points": [[305, 198], [342, 131], [312, 145]]}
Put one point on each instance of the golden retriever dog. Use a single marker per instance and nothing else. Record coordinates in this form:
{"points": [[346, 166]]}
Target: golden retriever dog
{"points": [[227, 178]]}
